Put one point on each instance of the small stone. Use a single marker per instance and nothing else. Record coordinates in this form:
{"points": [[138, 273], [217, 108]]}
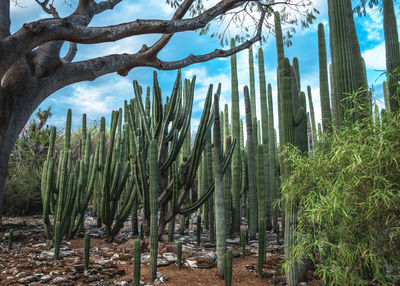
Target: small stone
{"points": [[60, 279], [171, 257], [45, 279], [28, 279], [21, 274]]}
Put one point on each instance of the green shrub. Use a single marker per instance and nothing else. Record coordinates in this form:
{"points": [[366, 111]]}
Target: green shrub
{"points": [[349, 203]]}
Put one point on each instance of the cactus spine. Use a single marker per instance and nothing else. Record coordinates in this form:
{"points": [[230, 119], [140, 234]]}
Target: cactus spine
{"points": [[236, 169], [153, 167], [252, 194]]}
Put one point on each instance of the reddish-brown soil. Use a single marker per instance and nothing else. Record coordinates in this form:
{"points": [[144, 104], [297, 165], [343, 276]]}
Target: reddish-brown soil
{"points": [[23, 258]]}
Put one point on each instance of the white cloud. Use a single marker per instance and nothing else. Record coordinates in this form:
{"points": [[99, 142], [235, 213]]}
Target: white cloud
{"points": [[375, 58]]}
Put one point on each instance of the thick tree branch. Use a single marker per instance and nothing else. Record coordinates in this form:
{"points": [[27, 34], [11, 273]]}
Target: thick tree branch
{"points": [[102, 6], [74, 29], [69, 57]]}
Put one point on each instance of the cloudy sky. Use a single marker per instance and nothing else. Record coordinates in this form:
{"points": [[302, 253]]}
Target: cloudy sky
{"points": [[99, 97]]}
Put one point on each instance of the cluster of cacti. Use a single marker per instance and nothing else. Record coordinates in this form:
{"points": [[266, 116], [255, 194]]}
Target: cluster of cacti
{"points": [[66, 189]]}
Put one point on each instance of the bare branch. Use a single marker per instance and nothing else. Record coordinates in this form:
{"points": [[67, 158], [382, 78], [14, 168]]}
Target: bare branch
{"points": [[102, 6], [51, 10], [163, 41]]}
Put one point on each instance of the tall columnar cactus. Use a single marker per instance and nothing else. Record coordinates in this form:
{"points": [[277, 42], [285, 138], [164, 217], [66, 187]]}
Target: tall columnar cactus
{"points": [[386, 96], [272, 154], [323, 82], [334, 103], [292, 118], [136, 263], [265, 139], [281, 55], [153, 177], [296, 68], [310, 134], [252, 194], [245, 183], [210, 177], [228, 261], [342, 60], [261, 194], [236, 169], [312, 114], [253, 96], [227, 193], [219, 190], [392, 52], [261, 246], [66, 189]]}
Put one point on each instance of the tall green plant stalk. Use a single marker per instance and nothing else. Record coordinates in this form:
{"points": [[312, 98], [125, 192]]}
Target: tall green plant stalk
{"points": [[323, 82], [392, 52], [153, 167], [251, 163], [220, 223], [236, 168], [265, 139]]}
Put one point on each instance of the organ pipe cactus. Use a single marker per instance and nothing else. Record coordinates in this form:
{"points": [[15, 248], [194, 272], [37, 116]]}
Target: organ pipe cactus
{"points": [[253, 96], [136, 263], [392, 53], [323, 83], [236, 168], [291, 119], [342, 61], [227, 176], [219, 190], [252, 196], [272, 155], [312, 114], [153, 178], [265, 139]]}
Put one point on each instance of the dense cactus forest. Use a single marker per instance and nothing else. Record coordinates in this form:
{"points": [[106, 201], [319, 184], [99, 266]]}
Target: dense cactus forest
{"points": [[252, 192]]}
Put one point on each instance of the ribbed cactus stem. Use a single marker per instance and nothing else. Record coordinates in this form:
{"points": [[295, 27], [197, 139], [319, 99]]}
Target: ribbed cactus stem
{"points": [[179, 254], [312, 114], [227, 192], [334, 103], [252, 193], [289, 138], [260, 184], [323, 82], [153, 167], [228, 268], [86, 251], [386, 96], [392, 52], [261, 246], [265, 139], [67, 134], [342, 61], [243, 241], [272, 155], [136, 263], [57, 240], [220, 223], [236, 169]]}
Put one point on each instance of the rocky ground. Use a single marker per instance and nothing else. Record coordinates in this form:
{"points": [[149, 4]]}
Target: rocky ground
{"points": [[31, 262]]}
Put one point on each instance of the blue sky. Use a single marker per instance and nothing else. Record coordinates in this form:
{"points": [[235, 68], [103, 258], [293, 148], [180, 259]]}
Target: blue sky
{"points": [[99, 97]]}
